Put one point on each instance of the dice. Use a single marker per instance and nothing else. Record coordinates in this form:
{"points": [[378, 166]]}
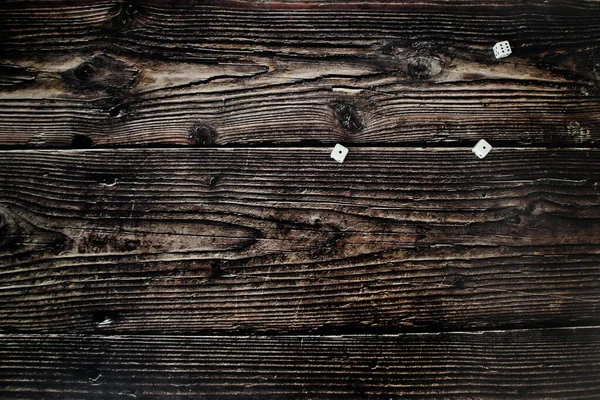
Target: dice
{"points": [[339, 153], [502, 49], [482, 148]]}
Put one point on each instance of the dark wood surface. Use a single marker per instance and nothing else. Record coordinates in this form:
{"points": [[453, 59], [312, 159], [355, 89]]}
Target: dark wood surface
{"points": [[288, 240], [134, 264], [531, 364], [201, 73]]}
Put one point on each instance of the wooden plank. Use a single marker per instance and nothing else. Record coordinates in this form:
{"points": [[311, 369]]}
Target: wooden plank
{"points": [[214, 30], [531, 364], [113, 74], [274, 240]]}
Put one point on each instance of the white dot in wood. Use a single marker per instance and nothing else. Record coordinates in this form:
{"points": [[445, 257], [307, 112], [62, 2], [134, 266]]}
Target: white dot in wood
{"points": [[482, 148], [339, 153], [502, 49]]}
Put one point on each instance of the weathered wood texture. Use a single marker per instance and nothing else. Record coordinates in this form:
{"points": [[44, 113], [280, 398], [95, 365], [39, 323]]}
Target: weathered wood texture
{"points": [[199, 240], [243, 72], [534, 364]]}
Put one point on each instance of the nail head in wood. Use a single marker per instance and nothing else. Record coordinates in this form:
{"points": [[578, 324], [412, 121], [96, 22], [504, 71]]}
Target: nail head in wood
{"points": [[482, 148], [339, 153]]}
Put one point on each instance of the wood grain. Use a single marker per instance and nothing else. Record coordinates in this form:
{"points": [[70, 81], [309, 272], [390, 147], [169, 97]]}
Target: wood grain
{"points": [[108, 73], [287, 240], [534, 364]]}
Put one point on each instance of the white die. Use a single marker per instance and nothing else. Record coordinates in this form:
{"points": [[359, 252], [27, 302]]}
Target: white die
{"points": [[339, 153], [502, 49], [482, 148]]}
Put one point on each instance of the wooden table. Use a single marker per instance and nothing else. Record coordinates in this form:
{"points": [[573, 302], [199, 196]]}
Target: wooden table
{"points": [[172, 225]]}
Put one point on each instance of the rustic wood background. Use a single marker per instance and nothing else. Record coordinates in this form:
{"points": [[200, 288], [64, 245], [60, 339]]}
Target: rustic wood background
{"points": [[172, 226]]}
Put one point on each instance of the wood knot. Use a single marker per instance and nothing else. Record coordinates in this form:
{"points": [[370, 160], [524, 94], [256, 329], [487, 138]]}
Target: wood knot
{"points": [[115, 111], [20, 236], [216, 270], [101, 72], [84, 72], [125, 17], [202, 134], [213, 181], [10, 232], [416, 59], [3, 223], [348, 117], [423, 68], [81, 141], [458, 282], [130, 9], [532, 209]]}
